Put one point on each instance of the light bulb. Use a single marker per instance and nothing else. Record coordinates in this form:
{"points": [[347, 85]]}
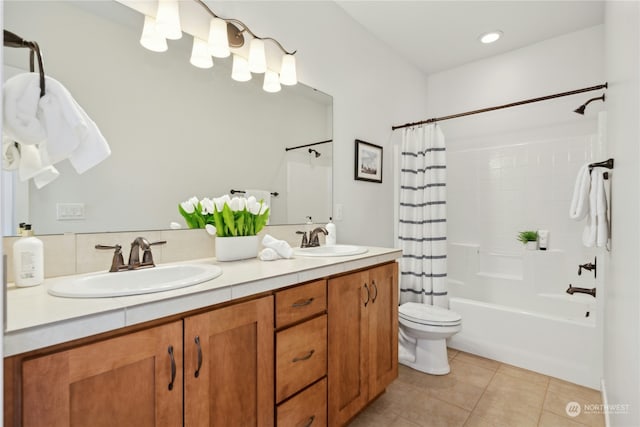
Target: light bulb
{"points": [[151, 38], [288, 74], [218, 38], [240, 69], [490, 37], [271, 81], [168, 19], [200, 55], [257, 57]]}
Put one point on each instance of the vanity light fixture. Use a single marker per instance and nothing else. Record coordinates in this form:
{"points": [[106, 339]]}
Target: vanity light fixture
{"points": [[168, 19], [271, 82], [200, 55], [240, 69], [218, 38], [224, 34], [151, 37], [490, 37]]}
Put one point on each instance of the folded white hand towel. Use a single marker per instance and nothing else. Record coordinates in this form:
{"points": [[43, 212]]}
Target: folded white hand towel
{"points": [[55, 122], [45, 176], [280, 246], [268, 254], [10, 154], [590, 229], [20, 97], [579, 202]]}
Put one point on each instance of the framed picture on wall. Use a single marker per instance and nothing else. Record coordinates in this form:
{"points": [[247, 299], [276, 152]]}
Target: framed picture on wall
{"points": [[368, 165]]}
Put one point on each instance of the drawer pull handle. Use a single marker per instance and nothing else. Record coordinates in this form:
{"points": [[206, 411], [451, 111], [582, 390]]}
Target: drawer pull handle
{"points": [[305, 357], [197, 372], [173, 367], [374, 286], [302, 303], [310, 421]]}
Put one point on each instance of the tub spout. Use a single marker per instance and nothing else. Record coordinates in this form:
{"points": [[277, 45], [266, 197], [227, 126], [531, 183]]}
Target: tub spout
{"points": [[572, 290]]}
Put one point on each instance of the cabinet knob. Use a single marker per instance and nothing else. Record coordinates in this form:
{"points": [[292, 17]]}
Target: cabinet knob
{"points": [[375, 287], [368, 294], [302, 303]]}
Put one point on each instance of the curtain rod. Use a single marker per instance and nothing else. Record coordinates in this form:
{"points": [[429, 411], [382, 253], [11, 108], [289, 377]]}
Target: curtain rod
{"points": [[499, 107], [308, 145]]}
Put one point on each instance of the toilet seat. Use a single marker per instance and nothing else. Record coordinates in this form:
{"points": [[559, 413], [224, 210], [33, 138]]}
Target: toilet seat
{"points": [[428, 315]]}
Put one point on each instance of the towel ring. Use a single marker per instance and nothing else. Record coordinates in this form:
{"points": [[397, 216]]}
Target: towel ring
{"points": [[13, 40]]}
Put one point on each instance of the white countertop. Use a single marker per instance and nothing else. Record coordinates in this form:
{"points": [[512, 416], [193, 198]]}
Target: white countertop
{"points": [[35, 319]]}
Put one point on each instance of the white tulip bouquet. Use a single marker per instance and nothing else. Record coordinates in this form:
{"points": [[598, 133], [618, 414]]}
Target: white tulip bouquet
{"points": [[225, 216]]}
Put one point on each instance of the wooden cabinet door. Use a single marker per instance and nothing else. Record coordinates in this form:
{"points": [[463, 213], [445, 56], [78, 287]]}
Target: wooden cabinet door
{"points": [[383, 328], [229, 366], [348, 346], [122, 381]]}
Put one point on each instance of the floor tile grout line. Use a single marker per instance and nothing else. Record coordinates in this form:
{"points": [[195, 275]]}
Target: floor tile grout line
{"points": [[481, 395], [546, 394]]}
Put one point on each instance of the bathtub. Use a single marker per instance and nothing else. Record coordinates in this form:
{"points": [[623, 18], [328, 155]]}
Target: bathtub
{"points": [[507, 316], [557, 345]]}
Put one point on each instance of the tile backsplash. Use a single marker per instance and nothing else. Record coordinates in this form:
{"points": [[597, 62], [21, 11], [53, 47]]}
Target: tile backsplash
{"points": [[67, 254]]}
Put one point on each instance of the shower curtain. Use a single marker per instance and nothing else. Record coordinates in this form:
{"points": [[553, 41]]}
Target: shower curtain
{"points": [[423, 228]]}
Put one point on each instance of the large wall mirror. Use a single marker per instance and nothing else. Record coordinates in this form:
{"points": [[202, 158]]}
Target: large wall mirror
{"points": [[175, 131]]}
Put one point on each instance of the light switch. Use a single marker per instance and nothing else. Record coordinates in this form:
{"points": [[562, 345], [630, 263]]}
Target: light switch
{"points": [[69, 211]]}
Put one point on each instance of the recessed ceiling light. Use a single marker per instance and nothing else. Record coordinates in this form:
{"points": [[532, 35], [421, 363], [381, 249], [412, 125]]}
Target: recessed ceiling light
{"points": [[490, 37]]}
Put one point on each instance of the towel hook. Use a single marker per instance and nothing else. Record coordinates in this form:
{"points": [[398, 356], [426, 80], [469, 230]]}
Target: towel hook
{"points": [[13, 40]]}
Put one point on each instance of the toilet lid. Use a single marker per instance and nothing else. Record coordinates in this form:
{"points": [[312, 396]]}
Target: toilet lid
{"points": [[428, 314]]}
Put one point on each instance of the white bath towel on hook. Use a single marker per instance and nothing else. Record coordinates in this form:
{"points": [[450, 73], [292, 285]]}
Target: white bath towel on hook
{"points": [[596, 232]]}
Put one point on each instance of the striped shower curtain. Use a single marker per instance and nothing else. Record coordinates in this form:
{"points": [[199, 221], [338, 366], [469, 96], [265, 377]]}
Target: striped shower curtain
{"points": [[423, 211]]}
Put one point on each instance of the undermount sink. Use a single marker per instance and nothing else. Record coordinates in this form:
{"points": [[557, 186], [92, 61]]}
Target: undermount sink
{"points": [[333, 250], [135, 282]]}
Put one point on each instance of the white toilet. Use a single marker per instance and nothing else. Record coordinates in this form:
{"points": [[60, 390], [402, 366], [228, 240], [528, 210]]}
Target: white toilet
{"points": [[424, 330]]}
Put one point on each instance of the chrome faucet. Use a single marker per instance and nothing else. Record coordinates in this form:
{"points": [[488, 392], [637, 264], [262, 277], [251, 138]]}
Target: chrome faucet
{"points": [[572, 290], [313, 236]]}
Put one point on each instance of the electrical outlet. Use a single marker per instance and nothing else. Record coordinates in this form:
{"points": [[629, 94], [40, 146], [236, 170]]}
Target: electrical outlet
{"points": [[69, 211]]}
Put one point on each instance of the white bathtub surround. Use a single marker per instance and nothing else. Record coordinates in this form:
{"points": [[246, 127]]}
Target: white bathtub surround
{"points": [[422, 227], [517, 311]]}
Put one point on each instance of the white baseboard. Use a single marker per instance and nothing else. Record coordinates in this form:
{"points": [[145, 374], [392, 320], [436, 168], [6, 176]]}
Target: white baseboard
{"points": [[605, 403]]}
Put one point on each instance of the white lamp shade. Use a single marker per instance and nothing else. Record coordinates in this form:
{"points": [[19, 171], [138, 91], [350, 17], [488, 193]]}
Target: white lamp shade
{"points": [[257, 57], [200, 55], [168, 19], [218, 38], [271, 82], [151, 38], [288, 74], [240, 69]]}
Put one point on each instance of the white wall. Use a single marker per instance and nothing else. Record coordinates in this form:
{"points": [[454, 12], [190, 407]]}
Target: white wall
{"points": [[372, 89], [622, 299]]}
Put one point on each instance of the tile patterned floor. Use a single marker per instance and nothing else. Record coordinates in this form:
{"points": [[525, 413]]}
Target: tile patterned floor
{"points": [[479, 392]]}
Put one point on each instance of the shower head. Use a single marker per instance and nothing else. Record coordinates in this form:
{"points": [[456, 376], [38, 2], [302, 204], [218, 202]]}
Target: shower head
{"points": [[316, 153], [580, 109]]}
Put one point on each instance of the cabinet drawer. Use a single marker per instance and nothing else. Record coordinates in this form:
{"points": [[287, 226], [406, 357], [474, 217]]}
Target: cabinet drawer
{"points": [[295, 304], [308, 409], [301, 356]]}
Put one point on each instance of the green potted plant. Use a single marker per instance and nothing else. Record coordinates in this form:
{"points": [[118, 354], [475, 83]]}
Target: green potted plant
{"points": [[529, 239], [234, 221]]}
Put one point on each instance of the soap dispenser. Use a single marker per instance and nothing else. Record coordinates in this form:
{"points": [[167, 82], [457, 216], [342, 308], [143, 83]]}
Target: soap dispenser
{"points": [[28, 259], [330, 240]]}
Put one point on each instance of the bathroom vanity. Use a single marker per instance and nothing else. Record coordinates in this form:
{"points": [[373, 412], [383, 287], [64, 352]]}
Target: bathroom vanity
{"points": [[306, 341]]}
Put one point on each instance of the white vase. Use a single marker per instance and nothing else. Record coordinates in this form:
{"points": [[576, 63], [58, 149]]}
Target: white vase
{"points": [[236, 248]]}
